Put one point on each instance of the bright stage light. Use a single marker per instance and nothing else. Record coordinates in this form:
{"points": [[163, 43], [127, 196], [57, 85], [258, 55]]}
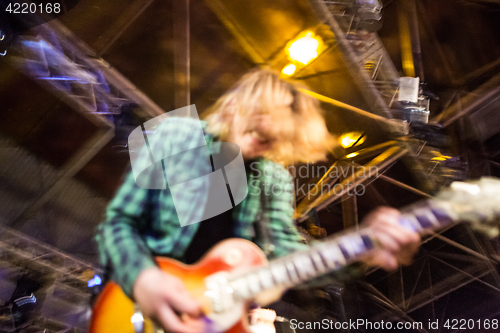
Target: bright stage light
{"points": [[351, 155], [305, 48], [95, 281], [351, 139], [289, 69]]}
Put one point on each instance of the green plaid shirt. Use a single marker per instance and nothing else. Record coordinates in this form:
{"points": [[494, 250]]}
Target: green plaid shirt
{"points": [[143, 222]]}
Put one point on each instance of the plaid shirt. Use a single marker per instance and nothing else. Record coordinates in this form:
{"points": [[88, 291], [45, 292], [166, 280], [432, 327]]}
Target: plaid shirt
{"points": [[143, 222]]}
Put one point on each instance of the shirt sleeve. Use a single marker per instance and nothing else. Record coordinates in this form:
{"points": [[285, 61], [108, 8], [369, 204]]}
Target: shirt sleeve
{"points": [[122, 249], [278, 210]]}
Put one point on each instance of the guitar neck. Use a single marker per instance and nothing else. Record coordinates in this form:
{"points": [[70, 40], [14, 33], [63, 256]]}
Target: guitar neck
{"points": [[334, 253]]}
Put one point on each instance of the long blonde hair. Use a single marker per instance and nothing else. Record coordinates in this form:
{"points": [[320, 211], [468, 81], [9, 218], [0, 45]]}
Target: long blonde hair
{"points": [[300, 130]]}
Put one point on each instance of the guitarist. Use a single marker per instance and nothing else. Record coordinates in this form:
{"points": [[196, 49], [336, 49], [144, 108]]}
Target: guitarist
{"points": [[274, 125]]}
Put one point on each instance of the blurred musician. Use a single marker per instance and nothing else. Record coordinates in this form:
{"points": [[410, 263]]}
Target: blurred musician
{"points": [[275, 125]]}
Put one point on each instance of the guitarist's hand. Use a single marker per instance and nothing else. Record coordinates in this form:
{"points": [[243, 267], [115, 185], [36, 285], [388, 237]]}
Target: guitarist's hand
{"points": [[162, 296], [399, 244]]}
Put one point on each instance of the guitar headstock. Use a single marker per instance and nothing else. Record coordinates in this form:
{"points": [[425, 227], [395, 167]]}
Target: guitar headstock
{"points": [[476, 201]]}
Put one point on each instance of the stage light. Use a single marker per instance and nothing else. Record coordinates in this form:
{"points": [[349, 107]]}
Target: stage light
{"points": [[351, 139], [351, 155], [289, 69], [304, 48], [31, 299], [440, 158], [95, 281]]}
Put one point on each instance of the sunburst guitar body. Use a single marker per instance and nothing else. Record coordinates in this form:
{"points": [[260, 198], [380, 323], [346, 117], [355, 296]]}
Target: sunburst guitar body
{"points": [[114, 312]]}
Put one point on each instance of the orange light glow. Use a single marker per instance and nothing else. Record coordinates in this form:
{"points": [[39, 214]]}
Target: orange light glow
{"points": [[305, 48], [351, 139], [351, 155], [289, 69]]}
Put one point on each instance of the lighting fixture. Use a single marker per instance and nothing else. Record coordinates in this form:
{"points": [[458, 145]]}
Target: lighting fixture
{"points": [[289, 69], [351, 139], [304, 48]]}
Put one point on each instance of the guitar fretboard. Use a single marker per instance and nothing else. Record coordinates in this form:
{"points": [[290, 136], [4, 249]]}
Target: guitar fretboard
{"points": [[332, 254]]}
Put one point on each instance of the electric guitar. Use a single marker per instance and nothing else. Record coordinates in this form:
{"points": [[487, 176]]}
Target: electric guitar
{"points": [[235, 271]]}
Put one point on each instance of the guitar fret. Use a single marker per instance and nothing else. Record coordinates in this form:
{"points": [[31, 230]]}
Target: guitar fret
{"points": [[359, 244], [318, 262], [444, 217], [410, 223], [423, 219], [253, 283], [266, 278], [292, 273], [304, 266], [367, 241], [332, 256], [279, 273], [344, 252], [432, 218], [355, 244], [429, 217]]}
